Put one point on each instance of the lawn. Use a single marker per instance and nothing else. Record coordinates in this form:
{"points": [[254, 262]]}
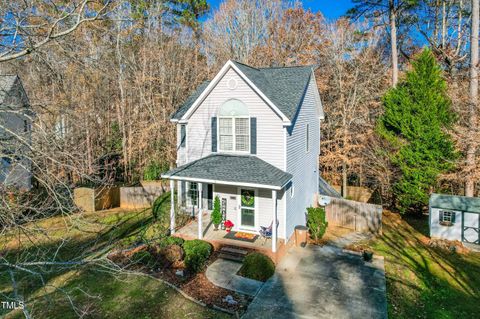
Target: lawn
{"points": [[425, 282], [93, 291]]}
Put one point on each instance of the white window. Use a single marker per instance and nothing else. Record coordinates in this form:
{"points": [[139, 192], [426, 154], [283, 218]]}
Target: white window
{"points": [[234, 127], [226, 134], [307, 138], [447, 217], [193, 194]]}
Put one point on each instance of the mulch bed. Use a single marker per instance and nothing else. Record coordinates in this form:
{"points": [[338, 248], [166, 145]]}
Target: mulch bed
{"points": [[196, 286]]}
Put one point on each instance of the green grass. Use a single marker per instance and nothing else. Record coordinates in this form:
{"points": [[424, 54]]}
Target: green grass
{"points": [[423, 282], [94, 291]]}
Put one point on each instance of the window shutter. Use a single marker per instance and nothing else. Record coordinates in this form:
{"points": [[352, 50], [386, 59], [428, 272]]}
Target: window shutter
{"points": [[253, 135], [183, 135], [214, 134], [453, 217], [440, 216]]}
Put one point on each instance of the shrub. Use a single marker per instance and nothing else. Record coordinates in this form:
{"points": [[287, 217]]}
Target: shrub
{"points": [[196, 254], [172, 254], [216, 215], [144, 257], [171, 240], [316, 222], [257, 266]]}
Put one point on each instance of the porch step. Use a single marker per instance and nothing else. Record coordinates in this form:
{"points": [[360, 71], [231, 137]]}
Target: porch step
{"points": [[233, 250], [232, 253], [231, 257]]}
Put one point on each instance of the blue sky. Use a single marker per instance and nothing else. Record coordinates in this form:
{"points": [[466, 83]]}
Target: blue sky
{"points": [[330, 8]]}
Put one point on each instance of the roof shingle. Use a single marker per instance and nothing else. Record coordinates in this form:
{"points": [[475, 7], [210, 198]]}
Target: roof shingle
{"points": [[242, 169]]}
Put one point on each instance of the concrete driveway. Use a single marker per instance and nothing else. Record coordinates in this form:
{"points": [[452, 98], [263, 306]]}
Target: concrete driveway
{"points": [[322, 282]]}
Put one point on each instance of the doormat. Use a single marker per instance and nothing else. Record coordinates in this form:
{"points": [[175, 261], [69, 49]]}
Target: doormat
{"points": [[241, 236]]}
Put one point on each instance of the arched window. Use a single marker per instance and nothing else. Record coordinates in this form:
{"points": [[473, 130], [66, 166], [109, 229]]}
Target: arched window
{"points": [[234, 127]]}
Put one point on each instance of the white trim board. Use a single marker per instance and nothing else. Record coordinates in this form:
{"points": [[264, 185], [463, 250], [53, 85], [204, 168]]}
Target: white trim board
{"points": [[213, 181]]}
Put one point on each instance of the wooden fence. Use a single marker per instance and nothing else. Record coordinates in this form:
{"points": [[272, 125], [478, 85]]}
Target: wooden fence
{"points": [[357, 216]]}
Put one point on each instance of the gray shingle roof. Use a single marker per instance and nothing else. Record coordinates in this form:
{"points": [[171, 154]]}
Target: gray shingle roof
{"points": [[189, 101], [284, 86], [226, 168], [7, 82], [326, 189], [452, 202]]}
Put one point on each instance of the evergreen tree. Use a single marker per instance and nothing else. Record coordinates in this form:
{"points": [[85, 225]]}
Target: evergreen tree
{"points": [[417, 115]]}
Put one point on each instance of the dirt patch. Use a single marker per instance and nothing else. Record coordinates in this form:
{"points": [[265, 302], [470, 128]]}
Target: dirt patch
{"points": [[453, 246]]}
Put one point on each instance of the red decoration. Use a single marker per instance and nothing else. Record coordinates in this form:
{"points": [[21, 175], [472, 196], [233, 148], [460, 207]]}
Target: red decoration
{"points": [[228, 225]]}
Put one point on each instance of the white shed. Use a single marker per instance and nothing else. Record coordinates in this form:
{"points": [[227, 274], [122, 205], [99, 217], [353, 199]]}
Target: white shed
{"points": [[455, 218]]}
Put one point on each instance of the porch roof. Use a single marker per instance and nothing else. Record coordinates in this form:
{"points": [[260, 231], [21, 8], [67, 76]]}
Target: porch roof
{"points": [[241, 170]]}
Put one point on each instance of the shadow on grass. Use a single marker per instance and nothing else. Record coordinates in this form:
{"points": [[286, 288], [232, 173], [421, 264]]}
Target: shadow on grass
{"points": [[439, 284]]}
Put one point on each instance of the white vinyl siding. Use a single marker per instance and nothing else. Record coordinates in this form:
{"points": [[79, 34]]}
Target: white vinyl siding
{"points": [[264, 207], [270, 136], [303, 165]]}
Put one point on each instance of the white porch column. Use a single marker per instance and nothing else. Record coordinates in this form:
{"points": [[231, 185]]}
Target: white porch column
{"points": [[274, 222], [200, 210], [179, 193], [172, 207]]}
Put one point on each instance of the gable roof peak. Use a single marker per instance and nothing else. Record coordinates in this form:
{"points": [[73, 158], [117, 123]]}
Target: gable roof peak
{"points": [[283, 88]]}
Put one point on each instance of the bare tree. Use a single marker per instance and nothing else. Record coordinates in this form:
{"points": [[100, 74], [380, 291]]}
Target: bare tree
{"points": [[473, 109], [28, 25]]}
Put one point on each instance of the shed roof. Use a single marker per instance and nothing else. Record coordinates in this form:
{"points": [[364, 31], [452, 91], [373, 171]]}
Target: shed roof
{"points": [[454, 202], [284, 86], [237, 169]]}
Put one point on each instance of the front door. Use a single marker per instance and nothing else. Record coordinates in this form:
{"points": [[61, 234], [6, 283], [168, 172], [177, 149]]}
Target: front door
{"points": [[247, 208]]}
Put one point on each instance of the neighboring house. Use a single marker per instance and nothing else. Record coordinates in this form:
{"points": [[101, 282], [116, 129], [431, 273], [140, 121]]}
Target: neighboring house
{"points": [[252, 137], [455, 218], [15, 133]]}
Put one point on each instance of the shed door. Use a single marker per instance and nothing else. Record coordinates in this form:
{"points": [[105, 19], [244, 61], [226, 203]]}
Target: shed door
{"points": [[471, 228]]}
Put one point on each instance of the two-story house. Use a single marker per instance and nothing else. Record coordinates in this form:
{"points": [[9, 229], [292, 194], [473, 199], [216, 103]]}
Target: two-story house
{"points": [[251, 136], [15, 134]]}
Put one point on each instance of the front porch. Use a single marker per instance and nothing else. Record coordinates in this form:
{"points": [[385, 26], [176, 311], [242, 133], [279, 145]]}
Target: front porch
{"points": [[217, 238], [249, 199]]}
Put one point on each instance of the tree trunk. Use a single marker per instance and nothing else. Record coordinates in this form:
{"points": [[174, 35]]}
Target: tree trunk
{"points": [[472, 141], [393, 42]]}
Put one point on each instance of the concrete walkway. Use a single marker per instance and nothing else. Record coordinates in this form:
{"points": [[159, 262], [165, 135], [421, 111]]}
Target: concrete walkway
{"points": [[322, 282], [223, 273]]}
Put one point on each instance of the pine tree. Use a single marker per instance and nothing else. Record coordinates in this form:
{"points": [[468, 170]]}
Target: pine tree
{"points": [[417, 115]]}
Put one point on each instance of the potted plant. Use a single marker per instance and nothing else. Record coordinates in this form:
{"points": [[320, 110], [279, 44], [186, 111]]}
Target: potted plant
{"points": [[216, 215], [228, 225]]}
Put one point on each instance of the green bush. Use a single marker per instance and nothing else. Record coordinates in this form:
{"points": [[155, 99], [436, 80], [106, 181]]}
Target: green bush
{"points": [[144, 257], [216, 215], [316, 222], [170, 240], [196, 254], [257, 266]]}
